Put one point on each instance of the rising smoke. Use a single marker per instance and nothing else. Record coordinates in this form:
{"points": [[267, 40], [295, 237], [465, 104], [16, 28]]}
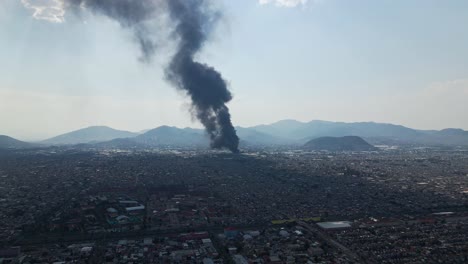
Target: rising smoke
{"points": [[192, 21]]}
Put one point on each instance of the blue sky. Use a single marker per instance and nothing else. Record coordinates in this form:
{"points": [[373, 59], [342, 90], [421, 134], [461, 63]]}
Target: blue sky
{"points": [[393, 61]]}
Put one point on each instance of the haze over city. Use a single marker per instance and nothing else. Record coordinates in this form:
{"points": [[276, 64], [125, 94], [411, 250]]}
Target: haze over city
{"points": [[401, 62]]}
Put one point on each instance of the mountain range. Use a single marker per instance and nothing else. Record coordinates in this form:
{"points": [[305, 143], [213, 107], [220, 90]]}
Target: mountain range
{"points": [[374, 133], [285, 132], [88, 135]]}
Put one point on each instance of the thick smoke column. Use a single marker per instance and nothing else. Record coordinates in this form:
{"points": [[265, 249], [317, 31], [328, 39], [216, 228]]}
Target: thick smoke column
{"points": [[204, 84], [192, 21]]}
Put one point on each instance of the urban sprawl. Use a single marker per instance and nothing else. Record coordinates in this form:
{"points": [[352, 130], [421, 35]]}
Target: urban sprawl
{"points": [[69, 205]]}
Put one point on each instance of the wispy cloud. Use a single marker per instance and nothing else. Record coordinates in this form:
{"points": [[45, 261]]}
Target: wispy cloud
{"points": [[49, 10], [284, 3], [455, 87], [54, 10]]}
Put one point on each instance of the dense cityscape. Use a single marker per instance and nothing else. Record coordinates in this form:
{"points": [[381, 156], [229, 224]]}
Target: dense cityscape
{"points": [[394, 205]]}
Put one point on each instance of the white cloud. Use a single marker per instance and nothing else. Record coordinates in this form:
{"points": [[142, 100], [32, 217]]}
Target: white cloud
{"points": [[54, 10], [49, 10], [457, 87], [284, 3]]}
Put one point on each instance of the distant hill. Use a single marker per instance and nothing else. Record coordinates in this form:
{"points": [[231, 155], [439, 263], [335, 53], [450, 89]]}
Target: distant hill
{"points": [[7, 142], [317, 128], [347, 143], [89, 135], [280, 129], [252, 137], [173, 136], [449, 136]]}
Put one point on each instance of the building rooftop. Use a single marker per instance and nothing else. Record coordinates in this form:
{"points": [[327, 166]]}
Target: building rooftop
{"points": [[333, 225]]}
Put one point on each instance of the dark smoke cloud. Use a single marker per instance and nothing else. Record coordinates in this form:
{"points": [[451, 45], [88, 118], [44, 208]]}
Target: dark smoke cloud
{"points": [[192, 21], [131, 14], [206, 86]]}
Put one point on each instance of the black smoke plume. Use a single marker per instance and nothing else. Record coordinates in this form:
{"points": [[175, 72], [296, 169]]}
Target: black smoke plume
{"points": [[192, 21], [130, 14]]}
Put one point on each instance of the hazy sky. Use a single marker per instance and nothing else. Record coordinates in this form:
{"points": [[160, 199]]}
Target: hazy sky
{"points": [[393, 61]]}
